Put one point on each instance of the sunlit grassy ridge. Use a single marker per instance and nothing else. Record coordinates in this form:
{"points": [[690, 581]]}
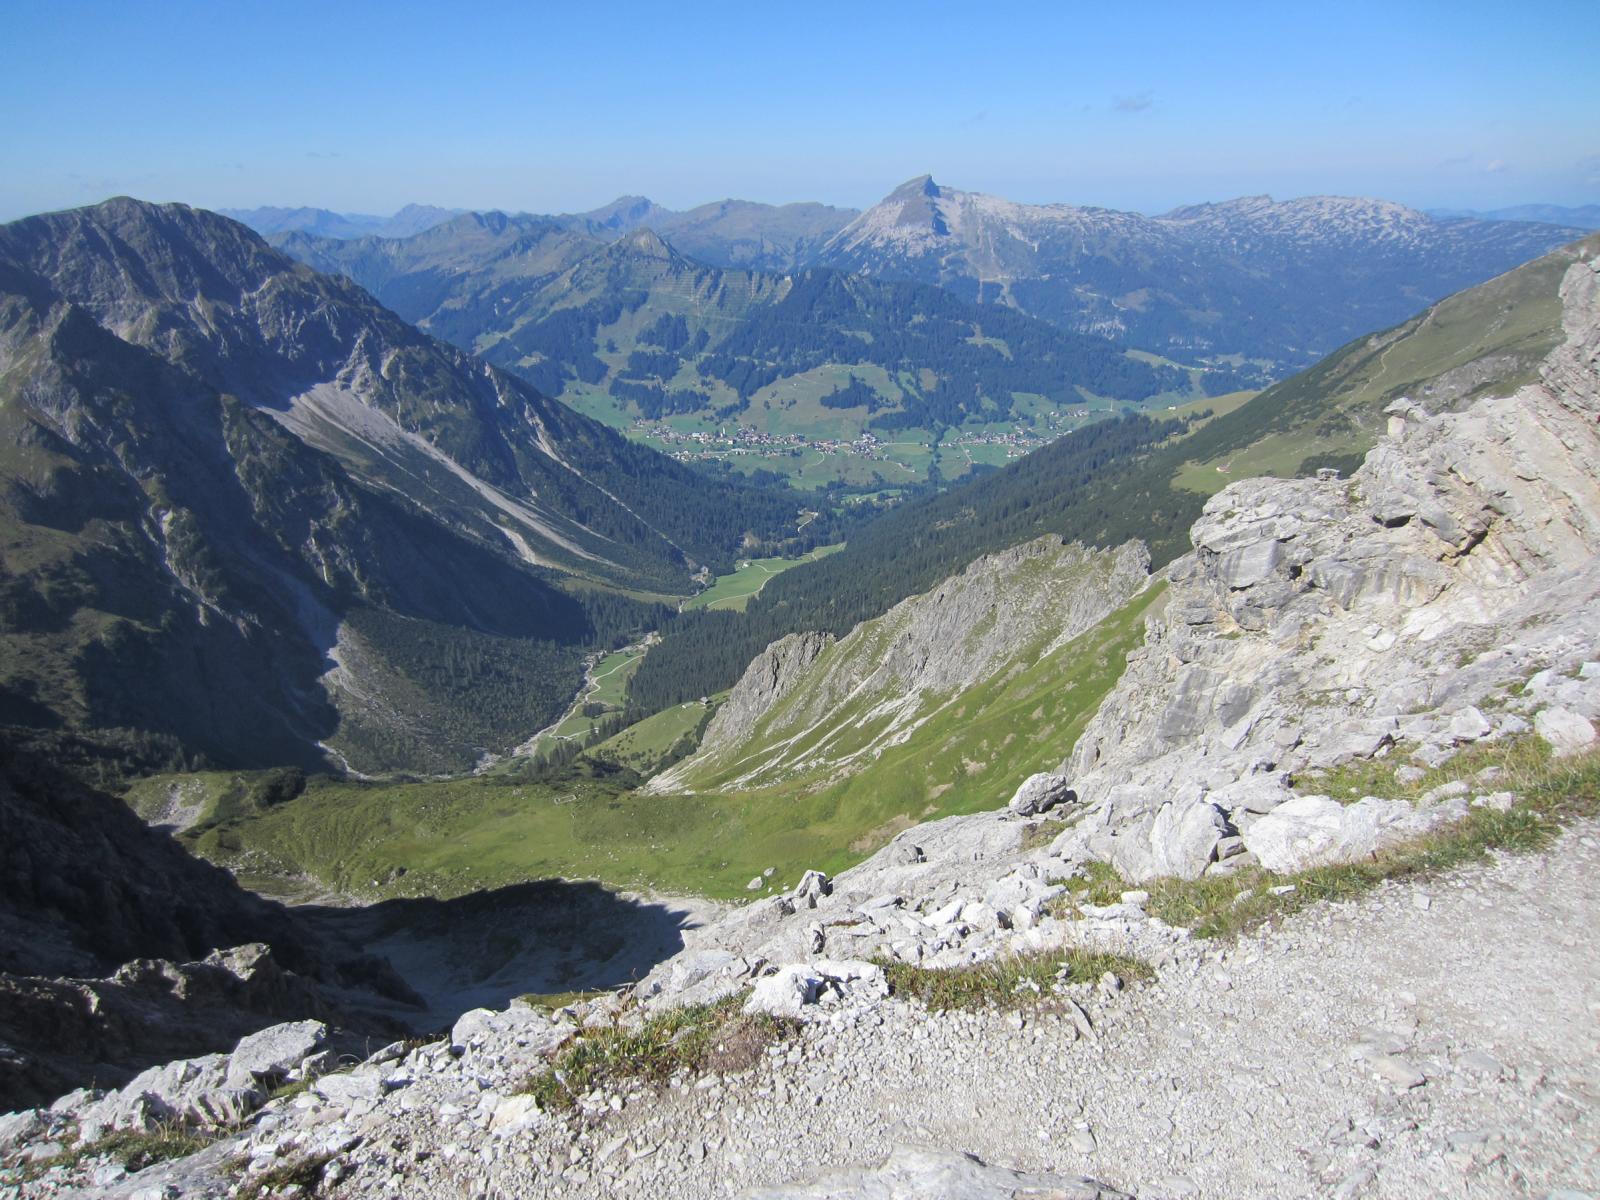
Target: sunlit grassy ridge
{"points": [[973, 739], [1505, 327]]}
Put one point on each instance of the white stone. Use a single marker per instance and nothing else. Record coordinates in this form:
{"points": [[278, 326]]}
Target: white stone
{"points": [[1565, 731], [267, 1055], [1311, 831]]}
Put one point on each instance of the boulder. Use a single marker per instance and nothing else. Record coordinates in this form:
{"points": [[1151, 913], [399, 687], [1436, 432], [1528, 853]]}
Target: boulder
{"points": [[1469, 724], [18, 1127], [267, 1056], [1253, 794], [1040, 793], [358, 1091], [513, 1115], [1183, 839], [1566, 732], [516, 1027], [190, 1091], [1313, 831], [812, 887], [785, 992], [790, 989]]}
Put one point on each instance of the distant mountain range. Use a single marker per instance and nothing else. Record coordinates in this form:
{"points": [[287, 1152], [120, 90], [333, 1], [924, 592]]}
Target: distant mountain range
{"points": [[1584, 217], [411, 219], [1249, 283], [816, 351], [725, 233], [246, 511], [1138, 478], [1280, 284]]}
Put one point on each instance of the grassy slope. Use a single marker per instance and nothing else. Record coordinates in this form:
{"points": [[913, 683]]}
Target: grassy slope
{"points": [[606, 683], [456, 836], [801, 741], [733, 591], [1336, 407], [642, 746]]}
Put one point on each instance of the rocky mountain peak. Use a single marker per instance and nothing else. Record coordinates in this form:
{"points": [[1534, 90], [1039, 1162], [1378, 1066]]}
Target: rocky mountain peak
{"points": [[922, 185]]}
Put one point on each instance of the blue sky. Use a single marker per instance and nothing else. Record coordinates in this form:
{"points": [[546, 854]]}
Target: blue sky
{"points": [[364, 107]]}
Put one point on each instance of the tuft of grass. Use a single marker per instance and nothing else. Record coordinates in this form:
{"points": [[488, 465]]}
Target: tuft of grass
{"points": [[136, 1149], [1040, 833], [549, 1002], [303, 1173], [1524, 763], [1016, 981], [1094, 883], [288, 1091], [693, 1039], [1553, 792]]}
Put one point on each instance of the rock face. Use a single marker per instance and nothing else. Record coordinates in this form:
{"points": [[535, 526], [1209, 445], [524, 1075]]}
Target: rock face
{"points": [[1311, 831], [811, 707], [774, 673], [267, 471], [1319, 621]]}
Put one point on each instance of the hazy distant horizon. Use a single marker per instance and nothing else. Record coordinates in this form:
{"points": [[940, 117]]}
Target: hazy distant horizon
{"points": [[364, 107], [388, 211]]}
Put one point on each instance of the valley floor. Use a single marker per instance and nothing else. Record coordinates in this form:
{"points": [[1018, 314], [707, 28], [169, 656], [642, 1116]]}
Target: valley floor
{"points": [[1433, 1039]]}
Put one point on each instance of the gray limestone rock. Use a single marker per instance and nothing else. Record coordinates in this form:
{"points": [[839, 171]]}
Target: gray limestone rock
{"points": [[1040, 793], [1565, 731], [268, 1055], [1311, 831], [787, 991]]}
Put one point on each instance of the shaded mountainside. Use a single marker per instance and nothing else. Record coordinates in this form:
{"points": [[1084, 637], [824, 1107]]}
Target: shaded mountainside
{"points": [[662, 334], [1279, 283], [245, 510], [1137, 479], [89, 888]]}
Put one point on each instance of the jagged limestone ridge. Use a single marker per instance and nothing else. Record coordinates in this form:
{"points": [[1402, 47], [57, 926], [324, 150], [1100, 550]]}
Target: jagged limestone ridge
{"points": [[812, 708]]}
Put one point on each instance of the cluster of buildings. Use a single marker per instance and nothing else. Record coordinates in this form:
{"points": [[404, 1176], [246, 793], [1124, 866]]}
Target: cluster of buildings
{"points": [[747, 439]]}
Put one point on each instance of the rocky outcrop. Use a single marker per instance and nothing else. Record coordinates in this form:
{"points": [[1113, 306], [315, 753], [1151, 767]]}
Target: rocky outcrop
{"points": [[1040, 793], [57, 1034], [119, 950], [774, 673], [1442, 595], [810, 708], [1449, 593]]}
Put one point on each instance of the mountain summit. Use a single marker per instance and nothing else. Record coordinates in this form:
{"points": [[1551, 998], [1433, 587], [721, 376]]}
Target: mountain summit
{"points": [[248, 512], [1281, 283]]}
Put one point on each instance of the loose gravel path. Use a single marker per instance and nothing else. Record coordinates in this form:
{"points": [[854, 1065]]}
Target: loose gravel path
{"points": [[1432, 1040]]}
